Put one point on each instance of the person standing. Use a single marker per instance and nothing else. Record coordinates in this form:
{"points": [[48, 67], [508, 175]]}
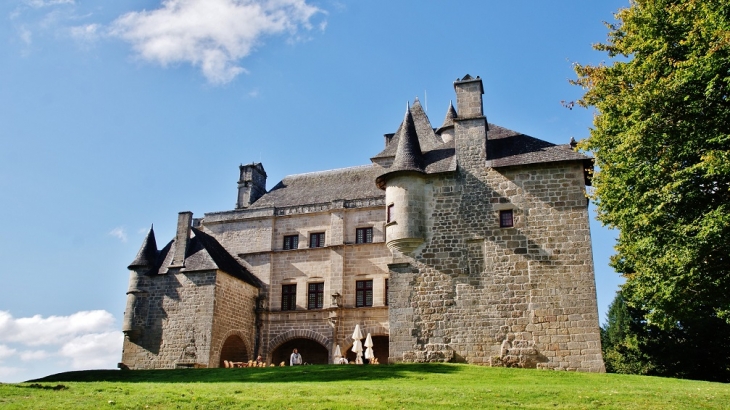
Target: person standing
{"points": [[295, 359]]}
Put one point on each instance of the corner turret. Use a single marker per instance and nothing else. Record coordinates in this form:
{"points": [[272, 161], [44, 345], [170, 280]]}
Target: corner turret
{"points": [[135, 314], [404, 192]]}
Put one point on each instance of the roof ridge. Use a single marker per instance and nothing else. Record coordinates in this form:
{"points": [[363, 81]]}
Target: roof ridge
{"points": [[329, 171]]}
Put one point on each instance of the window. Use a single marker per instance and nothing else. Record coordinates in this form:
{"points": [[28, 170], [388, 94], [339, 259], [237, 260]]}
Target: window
{"points": [[364, 235], [316, 240], [288, 297], [505, 219], [291, 242], [315, 296], [389, 216], [386, 292], [364, 293]]}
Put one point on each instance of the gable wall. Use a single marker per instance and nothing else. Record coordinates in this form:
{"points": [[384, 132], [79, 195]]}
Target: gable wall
{"points": [[473, 285]]}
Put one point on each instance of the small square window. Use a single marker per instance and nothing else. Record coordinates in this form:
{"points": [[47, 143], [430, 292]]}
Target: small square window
{"points": [[364, 235], [291, 242], [363, 293], [288, 297], [316, 240], [315, 296], [506, 219]]}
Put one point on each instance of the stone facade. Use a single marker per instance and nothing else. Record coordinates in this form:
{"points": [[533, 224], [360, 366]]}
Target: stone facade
{"points": [[466, 243]]}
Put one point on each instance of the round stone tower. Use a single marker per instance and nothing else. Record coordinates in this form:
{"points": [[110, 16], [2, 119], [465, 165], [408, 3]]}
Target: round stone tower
{"points": [[404, 185]]}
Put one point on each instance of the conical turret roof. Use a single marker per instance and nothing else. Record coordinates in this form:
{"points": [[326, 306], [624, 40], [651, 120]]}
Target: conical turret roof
{"points": [[147, 255], [408, 156], [449, 120]]}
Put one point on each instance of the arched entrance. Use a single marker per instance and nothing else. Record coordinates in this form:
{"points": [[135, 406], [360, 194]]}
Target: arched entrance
{"points": [[381, 344], [234, 350], [311, 351]]}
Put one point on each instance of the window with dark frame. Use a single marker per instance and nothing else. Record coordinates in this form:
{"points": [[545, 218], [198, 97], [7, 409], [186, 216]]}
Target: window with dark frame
{"points": [[288, 297], [316, 240], [315, 296], [386, 292], [389, 215], [291, 242], [363, 293], [506, 219], [364, 235]]}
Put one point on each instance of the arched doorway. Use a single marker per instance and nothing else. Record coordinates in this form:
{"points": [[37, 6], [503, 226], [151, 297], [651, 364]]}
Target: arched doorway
{"points": [[233, 350], [381, 346], [311, 351]]}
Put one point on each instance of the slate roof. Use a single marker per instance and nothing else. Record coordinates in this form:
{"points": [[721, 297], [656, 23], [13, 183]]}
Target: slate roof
{"points": [[322, 187], [147, 254], [428, 139], [408, 155], [204, 249], [204, 252], [449, 120], [508, 148]]}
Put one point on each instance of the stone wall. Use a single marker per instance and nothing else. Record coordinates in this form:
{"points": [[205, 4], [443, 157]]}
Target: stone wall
{"points": [[519, 296], [234, 315], [178, 327]]}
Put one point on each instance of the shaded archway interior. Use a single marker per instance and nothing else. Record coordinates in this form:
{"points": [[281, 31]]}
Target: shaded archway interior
{"points": [[234, 350], [380, 349], [311, 351]]}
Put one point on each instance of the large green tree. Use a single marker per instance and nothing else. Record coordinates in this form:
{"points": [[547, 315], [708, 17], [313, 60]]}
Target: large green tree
{"points": [[661, 139]]}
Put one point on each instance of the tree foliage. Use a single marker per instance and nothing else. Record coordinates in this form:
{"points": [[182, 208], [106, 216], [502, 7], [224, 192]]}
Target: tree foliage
{"points": [[661, 139]]}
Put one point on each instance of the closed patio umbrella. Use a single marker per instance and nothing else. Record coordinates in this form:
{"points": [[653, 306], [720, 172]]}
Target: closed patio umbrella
{"points": [[338, 353], [369, 344]]}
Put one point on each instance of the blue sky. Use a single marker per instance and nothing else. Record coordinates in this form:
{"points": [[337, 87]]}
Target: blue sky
{"points": [[118, 115]]}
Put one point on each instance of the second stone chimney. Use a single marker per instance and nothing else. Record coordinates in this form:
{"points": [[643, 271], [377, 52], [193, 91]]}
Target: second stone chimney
{"points": [[251, 184], [182, 237]]}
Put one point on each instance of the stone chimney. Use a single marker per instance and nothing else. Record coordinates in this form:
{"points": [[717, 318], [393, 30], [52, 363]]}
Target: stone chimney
{"points": [[251, 184], [470, 125], [469, 93], [182, 237]]}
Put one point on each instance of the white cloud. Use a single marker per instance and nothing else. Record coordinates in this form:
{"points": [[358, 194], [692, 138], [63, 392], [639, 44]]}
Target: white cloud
{"points": [[9, 371], [44, 3], [94, 351], [120, 233], [32, 355], [26, 36], [36, 330], [6, 352], [86, 33], [210, 34]]}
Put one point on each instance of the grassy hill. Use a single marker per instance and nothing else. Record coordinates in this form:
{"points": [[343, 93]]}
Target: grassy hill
{"points": [[406, 386]]}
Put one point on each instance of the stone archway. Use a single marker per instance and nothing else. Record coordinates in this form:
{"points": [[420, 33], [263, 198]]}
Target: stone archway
{"points": [[312, 351], [234, 350]]}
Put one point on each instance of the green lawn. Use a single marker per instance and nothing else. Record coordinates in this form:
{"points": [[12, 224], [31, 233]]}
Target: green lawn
{"points": [[406, 386]]}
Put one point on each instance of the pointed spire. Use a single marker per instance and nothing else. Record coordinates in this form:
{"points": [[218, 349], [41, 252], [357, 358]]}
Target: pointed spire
{"points": [[408, 156], [147, 255], [450, 116]]}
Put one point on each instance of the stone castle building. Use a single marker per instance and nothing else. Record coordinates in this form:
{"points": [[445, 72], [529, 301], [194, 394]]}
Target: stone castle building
{"points": [[465, 243]]}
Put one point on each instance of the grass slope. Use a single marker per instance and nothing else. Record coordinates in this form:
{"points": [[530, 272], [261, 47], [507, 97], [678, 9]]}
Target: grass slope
{"points": [[405, 386]]}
